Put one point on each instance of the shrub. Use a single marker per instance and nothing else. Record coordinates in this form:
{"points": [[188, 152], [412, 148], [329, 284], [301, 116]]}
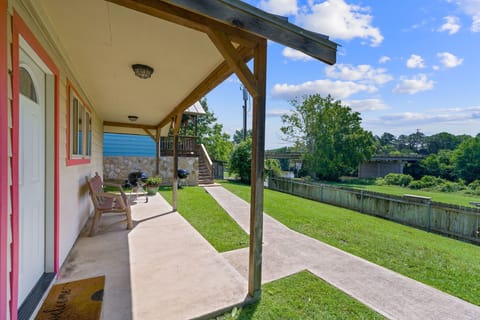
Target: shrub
{"points": [[272, 166], [431, 181], [417, 184], [397, 179], [427, 182], [474, 184], [449, 187], [241, 159]]}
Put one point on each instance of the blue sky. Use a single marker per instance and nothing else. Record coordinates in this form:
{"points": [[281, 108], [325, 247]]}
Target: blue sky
{"points": [[404, 65]]}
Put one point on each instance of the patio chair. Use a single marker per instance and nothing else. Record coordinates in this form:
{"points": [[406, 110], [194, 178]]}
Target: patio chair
{"points": [[106, 202]]}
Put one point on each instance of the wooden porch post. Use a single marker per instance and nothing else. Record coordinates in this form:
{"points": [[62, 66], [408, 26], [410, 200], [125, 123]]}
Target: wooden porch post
{"points": [[258, 153], [256, 84], [176, 130], [157, 152]]}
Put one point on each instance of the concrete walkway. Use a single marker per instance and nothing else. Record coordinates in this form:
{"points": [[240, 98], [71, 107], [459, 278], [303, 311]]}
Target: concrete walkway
{"points": [[286, 252], [161, 269]]}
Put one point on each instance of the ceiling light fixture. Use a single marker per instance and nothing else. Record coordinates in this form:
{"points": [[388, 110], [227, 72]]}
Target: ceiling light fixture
{"points": [[132, 118], [142, 71]]}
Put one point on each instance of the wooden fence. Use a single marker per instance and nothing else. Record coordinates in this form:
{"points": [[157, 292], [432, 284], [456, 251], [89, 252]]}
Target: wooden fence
{"points": [[451, 220]]}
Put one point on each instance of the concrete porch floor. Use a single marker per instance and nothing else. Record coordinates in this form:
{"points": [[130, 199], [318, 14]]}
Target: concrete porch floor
{"points": [[161, 269]]}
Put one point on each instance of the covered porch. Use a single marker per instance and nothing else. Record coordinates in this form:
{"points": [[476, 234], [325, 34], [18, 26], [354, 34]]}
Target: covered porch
{"points": [[226, 35], [161, 269], [84, 54]]}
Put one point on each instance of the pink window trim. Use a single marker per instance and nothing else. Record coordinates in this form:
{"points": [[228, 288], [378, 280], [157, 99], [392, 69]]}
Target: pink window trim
{"points": [[71, 161]]}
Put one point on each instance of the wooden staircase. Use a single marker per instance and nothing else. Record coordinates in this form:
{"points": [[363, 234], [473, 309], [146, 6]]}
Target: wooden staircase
{"points": [[205, 171]]}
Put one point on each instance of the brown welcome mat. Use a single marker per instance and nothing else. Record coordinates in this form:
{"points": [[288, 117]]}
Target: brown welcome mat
{"points": [[80, 299]]}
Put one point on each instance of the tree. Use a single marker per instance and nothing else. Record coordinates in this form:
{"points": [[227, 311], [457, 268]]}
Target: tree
{"points": [[439, 165], [241, 160], [238, 136], [387, 143], [331, 134], [218, 143], [210, 133], [416, 141], [443, 141], [467, 159]]}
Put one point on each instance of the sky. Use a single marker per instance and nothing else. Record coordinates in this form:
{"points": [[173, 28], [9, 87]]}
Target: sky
{"points": [[403, 65]]}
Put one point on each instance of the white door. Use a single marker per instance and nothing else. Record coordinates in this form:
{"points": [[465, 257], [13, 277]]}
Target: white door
{"points": [[31, 175]]}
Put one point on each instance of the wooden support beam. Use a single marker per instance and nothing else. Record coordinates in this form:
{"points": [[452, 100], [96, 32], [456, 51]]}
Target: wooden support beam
{"points": [[217, 76], [258, 154], [252, 20], [176, 130], [236, 62], [150, 134], [189, 19], [129, 125], [157, 151]]}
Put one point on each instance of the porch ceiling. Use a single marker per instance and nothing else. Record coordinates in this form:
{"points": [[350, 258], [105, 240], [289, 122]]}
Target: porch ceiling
{"points": [[101, 41]]}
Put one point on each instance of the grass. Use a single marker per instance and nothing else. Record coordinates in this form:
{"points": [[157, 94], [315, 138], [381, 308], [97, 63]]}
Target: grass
{"points": [[302, 296], [446, 264], [458, 198], [205, 215]]}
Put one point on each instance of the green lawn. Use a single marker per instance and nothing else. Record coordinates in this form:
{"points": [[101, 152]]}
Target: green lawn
{"points": [[302, 296], [205, 215], [458, 198], [449, 265]]}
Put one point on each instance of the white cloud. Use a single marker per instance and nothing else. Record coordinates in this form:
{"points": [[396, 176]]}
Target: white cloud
{"points": [[384, 59], [362, 73], [449, 60], [277, 112], [295, 55], [414, 85], [456, 120], [280, 7], [471, 8], [415, 61], [367, 105], [340, 20], [338, 89], [432, 116], [451, 25]]}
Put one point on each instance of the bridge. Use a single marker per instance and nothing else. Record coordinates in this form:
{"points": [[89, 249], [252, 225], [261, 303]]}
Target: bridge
{"points": [[283, 155]]}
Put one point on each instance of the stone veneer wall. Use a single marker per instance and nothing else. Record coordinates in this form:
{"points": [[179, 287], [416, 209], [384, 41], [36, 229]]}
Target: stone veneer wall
{"points": [[118, 168]]}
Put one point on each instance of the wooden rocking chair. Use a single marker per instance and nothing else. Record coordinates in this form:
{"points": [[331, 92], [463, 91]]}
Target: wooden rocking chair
{"points": [[105, 202]]}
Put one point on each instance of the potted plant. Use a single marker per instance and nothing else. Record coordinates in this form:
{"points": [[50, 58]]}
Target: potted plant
{"points": [[152, 183]]}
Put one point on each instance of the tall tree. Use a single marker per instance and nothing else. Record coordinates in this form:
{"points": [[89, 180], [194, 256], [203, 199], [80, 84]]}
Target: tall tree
{"points": [[331, 133], [238, 136], [443, 141], [210, 133], [467, 159], [218, 143], [416, 141], [386, 143]]}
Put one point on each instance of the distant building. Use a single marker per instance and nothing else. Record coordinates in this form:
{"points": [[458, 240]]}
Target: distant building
{"points": [[381, 165]]}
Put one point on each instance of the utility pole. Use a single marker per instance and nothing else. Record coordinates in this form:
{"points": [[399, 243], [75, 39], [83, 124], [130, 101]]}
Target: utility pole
{"points": [[245, 98]]}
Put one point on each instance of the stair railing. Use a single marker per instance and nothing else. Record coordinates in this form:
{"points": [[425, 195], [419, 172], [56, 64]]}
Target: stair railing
{"points": [[202, 153]]}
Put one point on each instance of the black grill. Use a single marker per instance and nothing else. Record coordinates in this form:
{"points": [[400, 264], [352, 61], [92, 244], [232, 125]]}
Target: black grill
{"points": [[134, 178]]}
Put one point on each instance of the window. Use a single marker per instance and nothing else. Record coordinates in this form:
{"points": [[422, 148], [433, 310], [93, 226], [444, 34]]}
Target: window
{"points": [[79, 146], [27, 87]]}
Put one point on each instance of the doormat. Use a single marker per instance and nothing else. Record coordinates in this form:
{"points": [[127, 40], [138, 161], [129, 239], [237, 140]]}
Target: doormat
{"points": [[80, 299]]}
